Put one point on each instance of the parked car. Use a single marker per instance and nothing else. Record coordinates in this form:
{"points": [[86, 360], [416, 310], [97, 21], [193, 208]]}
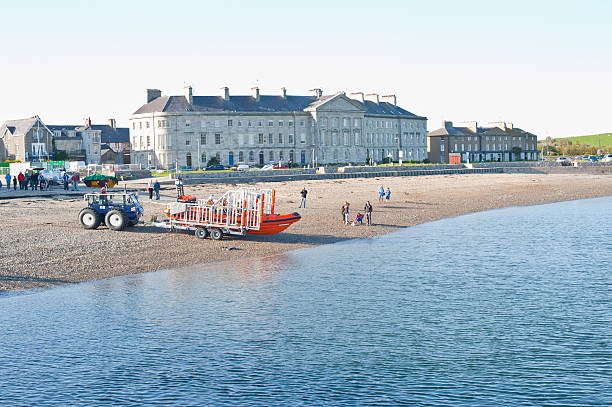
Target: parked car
{"points": [[592, 158], [564, 161], [217, 167], [243, 167], [607, 158], [278, 167], [186, 168], [267, 167]]}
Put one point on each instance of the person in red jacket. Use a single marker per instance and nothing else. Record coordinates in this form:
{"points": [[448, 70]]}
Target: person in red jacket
{"points": [[20, 178]]}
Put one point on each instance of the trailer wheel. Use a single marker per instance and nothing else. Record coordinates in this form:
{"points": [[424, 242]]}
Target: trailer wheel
{"points": [[216, 234], [201, 233], [116, 220], [89, 219]]}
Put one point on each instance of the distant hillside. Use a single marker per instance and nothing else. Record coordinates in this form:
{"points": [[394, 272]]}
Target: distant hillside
{"points": [[594, 140]]}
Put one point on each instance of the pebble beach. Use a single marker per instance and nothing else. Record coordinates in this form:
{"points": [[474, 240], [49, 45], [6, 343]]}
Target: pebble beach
{"points": [[42, 243]]}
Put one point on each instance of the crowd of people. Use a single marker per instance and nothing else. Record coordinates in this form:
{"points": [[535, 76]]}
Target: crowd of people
{"points": [[37, 181]]}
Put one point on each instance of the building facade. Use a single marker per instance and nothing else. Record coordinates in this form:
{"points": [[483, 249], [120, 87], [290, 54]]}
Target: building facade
{"points": [[25, 140], [189, 130], [498, 141]]}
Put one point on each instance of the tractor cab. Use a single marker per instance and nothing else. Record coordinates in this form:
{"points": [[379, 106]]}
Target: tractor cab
{"points": [[116, 210]]}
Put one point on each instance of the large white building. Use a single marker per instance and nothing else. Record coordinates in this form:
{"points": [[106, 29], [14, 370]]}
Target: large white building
{"points": [[257, 129]]}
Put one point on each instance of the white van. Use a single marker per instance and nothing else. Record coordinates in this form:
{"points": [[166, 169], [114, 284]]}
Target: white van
{"points": [[243, 167]]}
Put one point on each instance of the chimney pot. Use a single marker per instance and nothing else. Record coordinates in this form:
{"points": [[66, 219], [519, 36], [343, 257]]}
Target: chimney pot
{"points": [[226, 94], [189, 94], [255, 93], [153, 94], [317, 92], [284, 92], [112, 123]]}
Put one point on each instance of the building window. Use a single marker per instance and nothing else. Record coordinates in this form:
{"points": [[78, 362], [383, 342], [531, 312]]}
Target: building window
{"points": [[291, 139], [291, 155], [134, 126], [203, 138], [147, 124], [271, 156], [357, 123], [302, 123], [303, 139], [250, 124], [280, 123], [140, 125], [346, 122], [260, 123], [148, 141], [203, 157], [270, 123], [241, 156], [441, 147], [270, 138], [290, 124], [217, 138], [281, 155], [260, 138], [187, 123], [280, 138], [251, 156], [187, 140], [455, 147], [239, 123], [230, 123]]}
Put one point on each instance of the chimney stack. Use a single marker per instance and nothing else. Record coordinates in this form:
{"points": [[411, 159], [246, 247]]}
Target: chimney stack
{"points": [[88, 122], [284, 91], [373, 97], [112, 123], [255, 93], [446, 124], [226, 93], [189, 94], [153, 94], [358, 96], [317, 92], [390, 99]]}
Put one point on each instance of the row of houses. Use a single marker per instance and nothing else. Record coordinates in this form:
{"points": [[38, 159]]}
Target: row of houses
{"points": [[31, 139], [314, 129]]}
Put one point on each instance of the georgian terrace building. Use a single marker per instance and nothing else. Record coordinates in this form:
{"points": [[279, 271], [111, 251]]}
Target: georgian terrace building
{"points": [[316, 129], [492, 142]]}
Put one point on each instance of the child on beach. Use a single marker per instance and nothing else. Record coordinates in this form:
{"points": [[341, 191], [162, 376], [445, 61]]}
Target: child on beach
{"points": [[388, 194], [381, 193]]}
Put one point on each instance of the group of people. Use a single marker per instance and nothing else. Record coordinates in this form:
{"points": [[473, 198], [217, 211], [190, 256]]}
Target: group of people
{"points": [[358, 220], [382, 194], [36, 181], [153, 187]]}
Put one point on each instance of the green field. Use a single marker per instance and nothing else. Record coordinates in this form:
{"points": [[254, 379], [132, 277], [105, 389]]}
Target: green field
{"points": [[594, 140]]}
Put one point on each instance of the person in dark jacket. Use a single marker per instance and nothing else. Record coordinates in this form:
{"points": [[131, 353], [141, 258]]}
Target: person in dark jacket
{"points": [[303, 200], [368, 212], [15, 182], [156, 189]]}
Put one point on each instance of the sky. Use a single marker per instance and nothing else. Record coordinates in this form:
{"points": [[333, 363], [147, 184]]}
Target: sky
{"points": [[544, 65]]}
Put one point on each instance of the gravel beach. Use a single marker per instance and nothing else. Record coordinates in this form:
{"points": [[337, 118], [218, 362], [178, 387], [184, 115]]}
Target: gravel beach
{"points": [[42, 244]]}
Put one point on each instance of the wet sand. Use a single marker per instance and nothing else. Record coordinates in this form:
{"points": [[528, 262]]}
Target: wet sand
{"points": [[42, 244]]}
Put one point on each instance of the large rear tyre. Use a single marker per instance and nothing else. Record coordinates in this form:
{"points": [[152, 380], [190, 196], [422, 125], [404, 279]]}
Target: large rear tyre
{"points": [[89, 219], [201, 233], [216, 234], [116, 220]]}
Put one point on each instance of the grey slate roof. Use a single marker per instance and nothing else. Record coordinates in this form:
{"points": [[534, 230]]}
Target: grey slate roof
{"points": [[482, 131], [107, 133], [18, 127], [266, 104]]}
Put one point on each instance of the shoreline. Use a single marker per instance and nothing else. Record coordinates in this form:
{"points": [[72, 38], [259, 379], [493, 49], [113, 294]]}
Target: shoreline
{"points": [[42, 244]]}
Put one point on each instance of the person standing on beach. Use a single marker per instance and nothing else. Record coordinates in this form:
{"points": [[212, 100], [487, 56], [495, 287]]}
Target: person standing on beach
{"points": [[20, 178], [388, 194], [75, 181], [368, 212], [34, 181], [381, 193], [150, 189], [346, 213], [7, 177], [15, 183], [66, 179], [156, 188], [303, 200]]}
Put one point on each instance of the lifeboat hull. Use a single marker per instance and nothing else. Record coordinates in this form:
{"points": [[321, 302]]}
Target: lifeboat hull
{"points": [[275, 223]]}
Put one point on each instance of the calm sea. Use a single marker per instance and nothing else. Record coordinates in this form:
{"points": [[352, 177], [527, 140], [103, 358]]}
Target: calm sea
{"points": [[507, 307]]}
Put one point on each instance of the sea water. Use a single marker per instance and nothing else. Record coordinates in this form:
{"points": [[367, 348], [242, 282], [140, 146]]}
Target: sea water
{"points": [[506, 307]]}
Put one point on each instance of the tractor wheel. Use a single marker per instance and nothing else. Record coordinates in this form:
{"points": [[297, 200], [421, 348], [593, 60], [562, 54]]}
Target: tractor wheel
{"points": [[216, 234], [201, 233], [89, 219], [116, 220]]}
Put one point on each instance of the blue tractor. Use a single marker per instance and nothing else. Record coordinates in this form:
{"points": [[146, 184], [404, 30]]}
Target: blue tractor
{"points": [[115, 210]]}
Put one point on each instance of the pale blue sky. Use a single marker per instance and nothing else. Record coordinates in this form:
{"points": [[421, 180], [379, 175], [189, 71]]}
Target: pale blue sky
{"points": [[544, 65]]}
